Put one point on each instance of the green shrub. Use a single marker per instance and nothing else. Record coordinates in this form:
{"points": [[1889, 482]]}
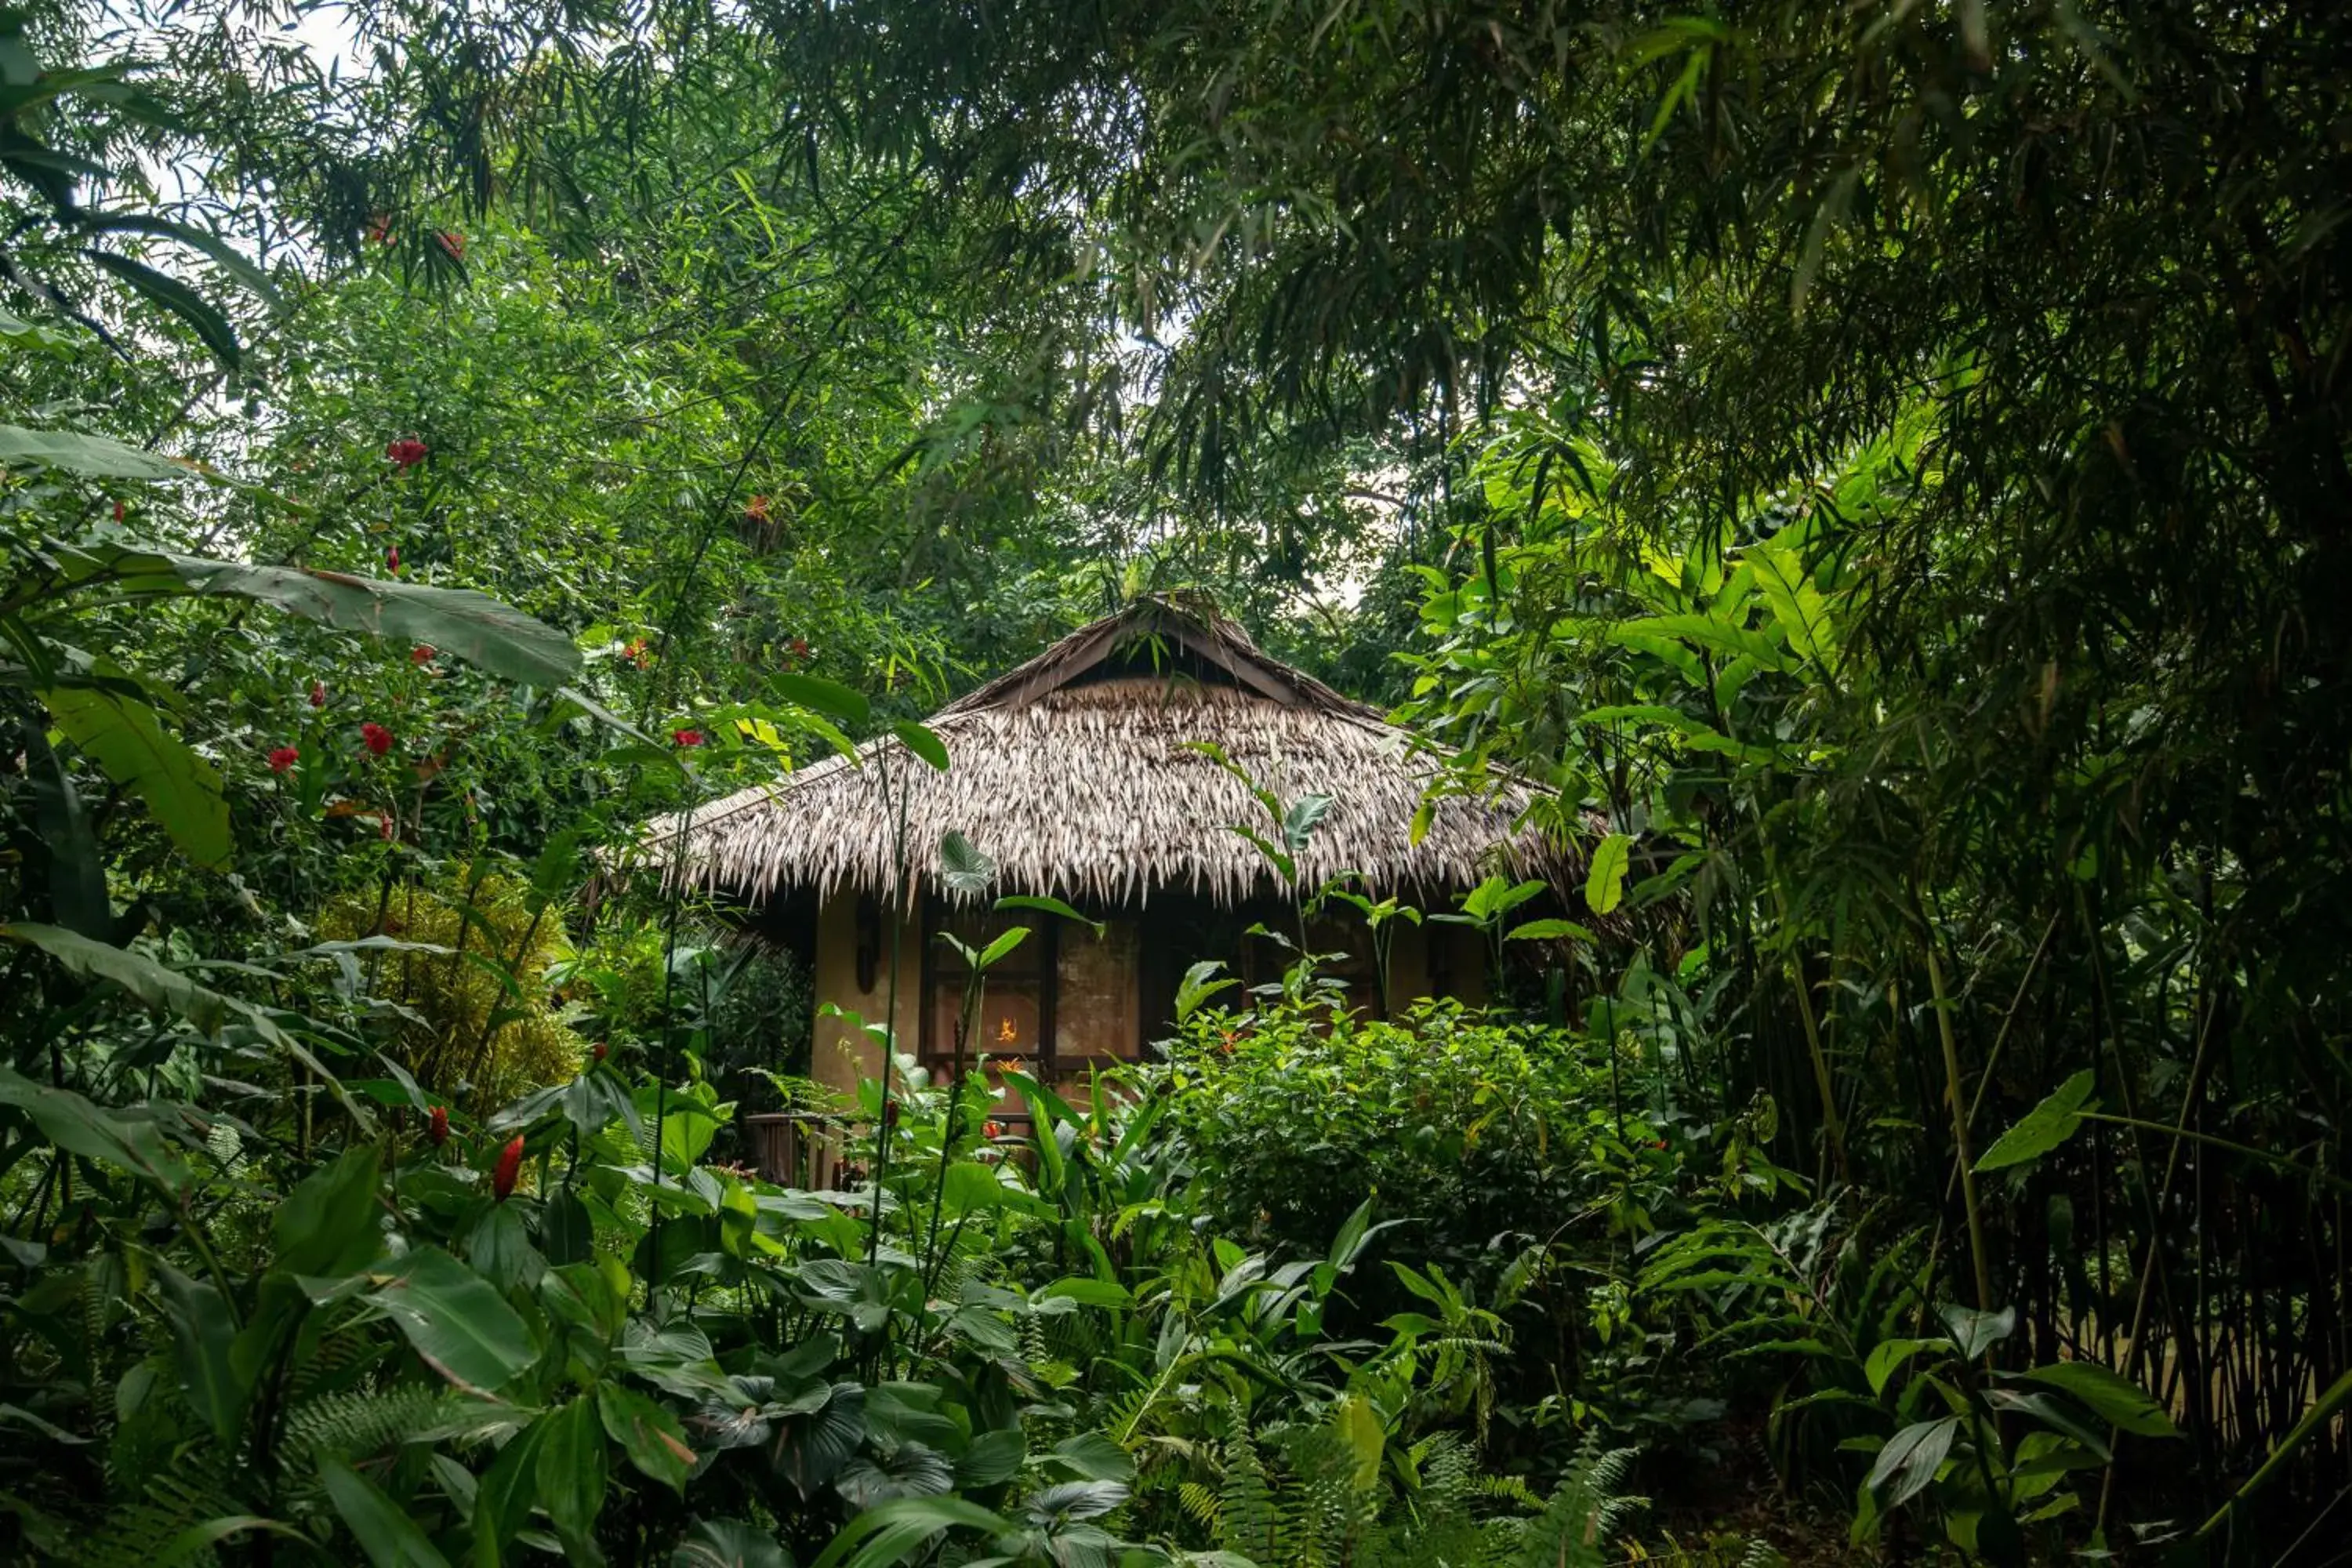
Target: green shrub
{"points": [[1479, 1136]]}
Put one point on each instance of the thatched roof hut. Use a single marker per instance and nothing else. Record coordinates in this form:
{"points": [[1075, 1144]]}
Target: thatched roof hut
{"points": [[1082, 775]]}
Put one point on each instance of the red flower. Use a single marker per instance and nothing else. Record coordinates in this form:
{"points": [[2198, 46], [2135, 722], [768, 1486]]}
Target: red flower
{"points": [[118, 512], [392, 560], [317, 694], [407, 453], [379, 229], [436, 1126], [282, 759], [756, 509], [602, 1050], [687, 737], [800, 647], [991, 1130], [384, 827], [376, 737], [502, 1180], [421, 654], [453, 242], [635, 653]]}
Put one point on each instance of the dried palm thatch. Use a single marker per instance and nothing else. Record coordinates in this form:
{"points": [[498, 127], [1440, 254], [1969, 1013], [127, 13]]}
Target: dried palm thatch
{"points": [[1078, 775]]}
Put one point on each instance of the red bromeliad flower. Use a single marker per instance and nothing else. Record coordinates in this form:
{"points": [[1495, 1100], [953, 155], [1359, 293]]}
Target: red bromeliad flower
{"points": [[392, 560], [991, 1130], [282, 759], [687, 737], [502, 1180], [406, 452], [376, 737], [317, 694], [421, 654], [436, 1126]]}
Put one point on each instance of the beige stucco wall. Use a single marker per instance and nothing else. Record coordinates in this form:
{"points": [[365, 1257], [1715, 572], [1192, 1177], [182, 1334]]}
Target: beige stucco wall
{"points": [[840, 1054]]}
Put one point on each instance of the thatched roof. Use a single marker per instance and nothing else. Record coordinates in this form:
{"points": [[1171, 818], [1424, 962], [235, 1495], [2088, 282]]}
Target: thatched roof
{"points": [[1075, 773]]}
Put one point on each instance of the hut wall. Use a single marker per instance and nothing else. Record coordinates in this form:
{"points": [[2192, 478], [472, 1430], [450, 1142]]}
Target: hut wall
{"points": [[1408, 967], [840, 1055]]}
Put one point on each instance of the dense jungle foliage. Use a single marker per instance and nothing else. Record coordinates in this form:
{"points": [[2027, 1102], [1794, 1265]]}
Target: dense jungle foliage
{"points": [[1884, 470]]}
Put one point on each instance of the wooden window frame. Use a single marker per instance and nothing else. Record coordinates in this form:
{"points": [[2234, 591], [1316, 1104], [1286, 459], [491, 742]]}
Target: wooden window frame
{"points": [[933, 1052]]}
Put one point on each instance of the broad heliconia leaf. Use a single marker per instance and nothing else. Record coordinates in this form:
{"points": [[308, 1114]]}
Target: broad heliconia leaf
{"points": [[2041, 1129], [1044, 905], [92, 456], [1911, 1459], [77, 872], [79, 1127], [570, 1472], [454, 621], [202, 1334], [462, 1327], [382, 1527], [1604, 884], [1002, 947], [824, 696], [166, 990], [922, 742], [327, 1224], [2113, 1398], [178, 299], [124, 736], [649, 1435]]}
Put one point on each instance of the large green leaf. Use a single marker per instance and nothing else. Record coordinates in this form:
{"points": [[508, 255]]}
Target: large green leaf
{"points": [[178, 299], [728, 1543], [2115, 1399], [890, 1532], [79, 1127], [571, 1470], [462, 1327], [1604, 884], [1911, 1459], [823, 696], [456, 621], [327, 1226], [166, 990], [382, 1527], [649, 1435], [77, 872], [124, 736], [92, 456], [2041, 1129], [203, 1334]]}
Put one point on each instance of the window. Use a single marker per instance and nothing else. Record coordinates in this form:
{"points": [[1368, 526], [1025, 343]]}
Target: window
{"points": [[1062, 1001]]}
